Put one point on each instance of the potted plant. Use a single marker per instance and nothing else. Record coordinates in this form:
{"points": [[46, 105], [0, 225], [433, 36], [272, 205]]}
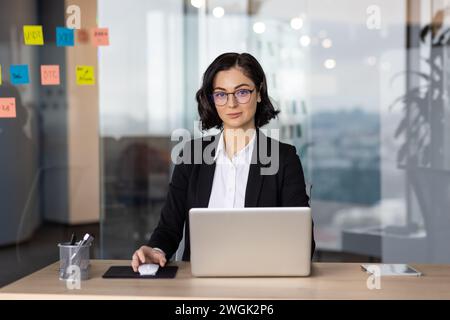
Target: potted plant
{"points": [[425, 151]]}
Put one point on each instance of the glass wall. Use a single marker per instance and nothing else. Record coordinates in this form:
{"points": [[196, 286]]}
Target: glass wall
{"points": [[49, 148], [415, 140], [354, 82]]}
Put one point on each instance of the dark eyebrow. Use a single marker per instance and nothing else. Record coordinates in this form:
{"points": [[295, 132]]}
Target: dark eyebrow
{"points": [[238, 86]]}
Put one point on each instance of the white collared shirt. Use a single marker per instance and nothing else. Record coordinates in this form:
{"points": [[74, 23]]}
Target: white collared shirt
{"points": [[230, 176]]}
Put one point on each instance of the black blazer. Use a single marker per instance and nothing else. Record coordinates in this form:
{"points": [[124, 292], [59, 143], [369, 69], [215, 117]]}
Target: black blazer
{"points": [[192, 183]]}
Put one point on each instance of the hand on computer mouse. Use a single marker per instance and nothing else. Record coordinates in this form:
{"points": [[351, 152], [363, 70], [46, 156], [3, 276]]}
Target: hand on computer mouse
{"points": [[146, 254]]}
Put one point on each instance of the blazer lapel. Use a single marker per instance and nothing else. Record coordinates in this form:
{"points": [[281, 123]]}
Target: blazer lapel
{"points": [[255, 179], [206, 176], [253, 185], [205, 180]]}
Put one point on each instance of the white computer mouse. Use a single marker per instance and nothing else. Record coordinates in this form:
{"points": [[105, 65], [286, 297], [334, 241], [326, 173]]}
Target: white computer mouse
{"points": [[148, 269]]}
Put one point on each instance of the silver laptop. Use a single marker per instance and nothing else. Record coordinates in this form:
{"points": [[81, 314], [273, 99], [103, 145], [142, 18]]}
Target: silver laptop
{"points": [[250, 242]]}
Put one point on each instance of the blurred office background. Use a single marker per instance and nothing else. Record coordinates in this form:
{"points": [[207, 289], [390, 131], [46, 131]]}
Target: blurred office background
{"points": [[363, 89]]}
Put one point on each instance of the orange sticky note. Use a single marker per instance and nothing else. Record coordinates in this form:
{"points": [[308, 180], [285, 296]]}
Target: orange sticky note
{"points": [[50, 75], [82, 35], [100, 37], [7, 107]]}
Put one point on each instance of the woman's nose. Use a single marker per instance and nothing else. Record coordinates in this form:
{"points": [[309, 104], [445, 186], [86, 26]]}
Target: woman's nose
{"points": [[232, 102]]}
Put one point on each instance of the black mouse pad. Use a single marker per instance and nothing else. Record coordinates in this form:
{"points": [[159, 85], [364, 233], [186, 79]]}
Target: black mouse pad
{"points": [[125, 272]]}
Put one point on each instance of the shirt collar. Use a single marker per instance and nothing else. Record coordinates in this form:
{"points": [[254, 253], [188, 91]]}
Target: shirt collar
{"points": [[221, 146]]}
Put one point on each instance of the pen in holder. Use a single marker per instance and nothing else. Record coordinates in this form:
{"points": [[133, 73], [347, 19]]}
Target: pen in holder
{"points": [[74, 255]]}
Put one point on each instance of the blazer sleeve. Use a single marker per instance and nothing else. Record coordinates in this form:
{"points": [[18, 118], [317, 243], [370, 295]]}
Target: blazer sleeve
{"points": [[169, 231], [293, 189]]}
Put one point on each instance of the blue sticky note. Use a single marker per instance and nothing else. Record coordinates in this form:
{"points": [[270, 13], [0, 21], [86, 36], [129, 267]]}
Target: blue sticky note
{"points": [[64, 37], [18, 74]]}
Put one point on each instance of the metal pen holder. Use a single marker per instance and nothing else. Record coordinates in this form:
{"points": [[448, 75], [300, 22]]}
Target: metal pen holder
{"points": [[72, 257]]}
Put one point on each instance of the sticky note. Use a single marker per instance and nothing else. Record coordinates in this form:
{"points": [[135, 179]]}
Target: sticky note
{"points": [[100, 37], [64, 37], [85, 75], [33, 35], [19, 74], [50, 75], [83, 36], [7, 107]]}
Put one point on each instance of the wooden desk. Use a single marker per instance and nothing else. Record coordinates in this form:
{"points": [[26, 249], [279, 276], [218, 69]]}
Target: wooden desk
{"points": [[328, 281]]}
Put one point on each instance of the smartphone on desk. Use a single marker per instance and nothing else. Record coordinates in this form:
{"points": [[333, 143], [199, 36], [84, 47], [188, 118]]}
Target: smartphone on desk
{"points": [[389, 269]]}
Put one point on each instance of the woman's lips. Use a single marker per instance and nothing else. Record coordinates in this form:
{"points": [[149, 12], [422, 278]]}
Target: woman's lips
{"points": [[234, 115]]}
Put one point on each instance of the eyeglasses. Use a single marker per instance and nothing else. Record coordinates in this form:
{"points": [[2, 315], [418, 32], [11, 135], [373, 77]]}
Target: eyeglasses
{"points": [[242, 96]]}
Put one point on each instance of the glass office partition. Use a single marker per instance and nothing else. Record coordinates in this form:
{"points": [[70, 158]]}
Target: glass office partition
{"points": [[141, 103], [415, 134], [346, 77], [48, 135]]}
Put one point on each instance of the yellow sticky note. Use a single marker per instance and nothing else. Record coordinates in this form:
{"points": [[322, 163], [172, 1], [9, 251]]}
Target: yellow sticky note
{"points": [[85, 75], [33, 35]]}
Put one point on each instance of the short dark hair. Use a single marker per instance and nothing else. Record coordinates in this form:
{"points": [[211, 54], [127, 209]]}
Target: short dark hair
{"points": [[252, 69]]}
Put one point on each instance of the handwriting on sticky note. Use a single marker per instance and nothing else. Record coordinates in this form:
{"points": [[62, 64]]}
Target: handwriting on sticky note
{"points": [[7, 107], [33, 35], [64, 37], [50, 75], [100, 37], [18, 74], [85, 75]]}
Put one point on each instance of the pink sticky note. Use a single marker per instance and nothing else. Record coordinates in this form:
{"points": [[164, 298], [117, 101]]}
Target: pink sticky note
{"points": [[100, 37], [7, 107], [50, 75]]}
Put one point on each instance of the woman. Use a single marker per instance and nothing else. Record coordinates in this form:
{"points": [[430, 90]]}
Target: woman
{"points": [[234, 98]]}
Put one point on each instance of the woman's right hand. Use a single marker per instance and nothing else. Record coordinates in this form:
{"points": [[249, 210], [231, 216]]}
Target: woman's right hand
{"points": [[146, 254]]}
